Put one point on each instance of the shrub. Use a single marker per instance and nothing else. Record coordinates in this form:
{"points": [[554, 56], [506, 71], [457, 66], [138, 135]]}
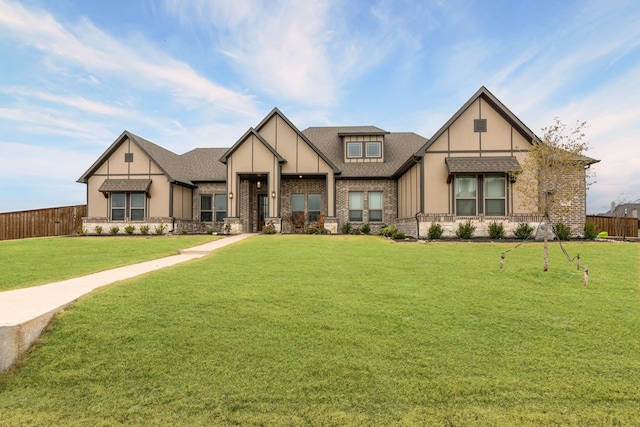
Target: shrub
{"points": [[144, 229], [184, 231], [269, 229], [496, 230], [210, 230], [562, 231], [114, 230], [366, 228], [435, 231], [129, 229], [523, 231], [317, 230], [159, 229], [346, 228], [465, 230], [355, 230], [590, 230], [98, 229], [392, 232], [81, 231]]}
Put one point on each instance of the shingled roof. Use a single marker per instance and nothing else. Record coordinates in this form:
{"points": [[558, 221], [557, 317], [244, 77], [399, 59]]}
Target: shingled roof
{"points": [[202, 164], [398, 147], [482, 164]]}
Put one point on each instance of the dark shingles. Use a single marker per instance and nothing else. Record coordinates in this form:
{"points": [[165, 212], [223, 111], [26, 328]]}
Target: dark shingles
{"points": [[482, 164], [398, 147]]}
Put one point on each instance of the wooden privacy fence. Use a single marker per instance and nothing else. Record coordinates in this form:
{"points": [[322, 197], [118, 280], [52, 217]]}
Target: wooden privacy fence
{"points": [[62, 221], [616, 226]]}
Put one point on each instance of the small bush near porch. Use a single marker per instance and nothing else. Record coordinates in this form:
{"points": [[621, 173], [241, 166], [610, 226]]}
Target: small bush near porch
{"points": [[347, 330]]}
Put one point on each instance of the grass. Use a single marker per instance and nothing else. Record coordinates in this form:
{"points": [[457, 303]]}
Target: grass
{"points": [[30, 262], [326, 330]]}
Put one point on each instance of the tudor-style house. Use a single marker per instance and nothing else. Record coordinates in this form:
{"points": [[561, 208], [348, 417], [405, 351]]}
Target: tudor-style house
{"points": [[325, 176]]}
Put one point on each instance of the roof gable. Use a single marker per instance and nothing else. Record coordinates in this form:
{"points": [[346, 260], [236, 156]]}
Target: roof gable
{"points": [[243, 139], [302, 136], [167, 161], [498, 106]]}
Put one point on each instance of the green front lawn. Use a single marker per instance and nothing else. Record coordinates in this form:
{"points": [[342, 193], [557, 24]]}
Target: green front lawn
{"points": [[30, 262], [347, 330]]}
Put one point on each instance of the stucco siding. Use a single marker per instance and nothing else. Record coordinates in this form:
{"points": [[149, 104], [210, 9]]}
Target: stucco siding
{"points": [[436, 189]]}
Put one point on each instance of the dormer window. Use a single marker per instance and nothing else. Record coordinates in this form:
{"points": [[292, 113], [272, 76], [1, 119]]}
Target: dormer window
{"points": [[354, 150], [374, 149], [364, 144]]}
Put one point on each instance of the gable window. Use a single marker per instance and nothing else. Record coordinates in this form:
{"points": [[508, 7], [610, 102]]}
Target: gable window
{"points": [[313, 206], [465, 192], [128, 206], [375, 206], [206, 207], [495, 195], [221, 207], [355, 206], [354, 150], [374, 149]]}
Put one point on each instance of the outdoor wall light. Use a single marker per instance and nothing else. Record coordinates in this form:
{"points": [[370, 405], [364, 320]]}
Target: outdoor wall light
{"points": [[259, 185], [273, 194], [231, 195]]}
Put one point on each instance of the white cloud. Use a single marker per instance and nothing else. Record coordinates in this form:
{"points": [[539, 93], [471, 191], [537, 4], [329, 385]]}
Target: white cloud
{"points": [[134, 60]]}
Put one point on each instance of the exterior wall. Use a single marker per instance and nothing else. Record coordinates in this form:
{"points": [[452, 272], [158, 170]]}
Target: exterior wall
{"points": [[389, 190], [182, 202], [296, 185], [301, 158], [409, 192], [251, 157], [198, 226], [460, 140], [156, 226], [142, 167], [450, 224]]}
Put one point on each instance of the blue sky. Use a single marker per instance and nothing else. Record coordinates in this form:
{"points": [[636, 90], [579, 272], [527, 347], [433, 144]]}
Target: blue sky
{"points": [[187, 74]]}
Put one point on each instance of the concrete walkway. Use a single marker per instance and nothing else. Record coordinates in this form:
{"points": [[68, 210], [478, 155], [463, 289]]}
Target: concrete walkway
{"points": [[24, 313]]}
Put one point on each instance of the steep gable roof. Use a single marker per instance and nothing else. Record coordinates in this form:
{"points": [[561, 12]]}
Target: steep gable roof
{"points": [[484, 93], [241, 141], [319, 152], [178, 168]]}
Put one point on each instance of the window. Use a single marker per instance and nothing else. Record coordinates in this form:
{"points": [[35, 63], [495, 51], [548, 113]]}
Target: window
{"points": [[297, 203], [206, 207], [137, 206], [118, 206], [465, 189], [128, 206], [354, 149], [355, 206], [128, 157], [313, 206], [221, 207], [494, 195], [374, 149], [375, 206]]}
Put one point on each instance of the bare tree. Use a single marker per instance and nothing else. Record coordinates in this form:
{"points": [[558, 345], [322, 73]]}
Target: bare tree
{"points": [[555, 178]]}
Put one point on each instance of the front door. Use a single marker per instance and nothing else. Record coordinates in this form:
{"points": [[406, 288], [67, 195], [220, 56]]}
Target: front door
{"points": [[263, 210]]}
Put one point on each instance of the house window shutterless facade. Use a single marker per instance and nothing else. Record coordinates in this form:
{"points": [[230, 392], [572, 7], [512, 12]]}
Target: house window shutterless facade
{"points": [[375, 206], [221, 207], [486, 193], [356, 204], [213, 207], [129, 206]]}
